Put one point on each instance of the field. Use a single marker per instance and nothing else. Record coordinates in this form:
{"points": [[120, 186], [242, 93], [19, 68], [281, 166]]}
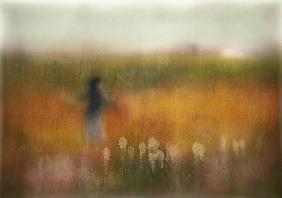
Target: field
{"points": [[216, 121]]}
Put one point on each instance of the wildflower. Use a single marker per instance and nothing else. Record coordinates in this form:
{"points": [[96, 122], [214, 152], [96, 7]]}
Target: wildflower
{"points": [[160, 157], [130, 152], [174, 153], [175, 158], [153, 144], [198, 150], [142, 149], [106, 154], [239, 147], [122, 142], [152, 157], [152, 160], [167, 145]]}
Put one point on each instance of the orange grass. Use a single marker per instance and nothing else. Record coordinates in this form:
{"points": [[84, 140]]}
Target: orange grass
{"points": [[180, 115]]}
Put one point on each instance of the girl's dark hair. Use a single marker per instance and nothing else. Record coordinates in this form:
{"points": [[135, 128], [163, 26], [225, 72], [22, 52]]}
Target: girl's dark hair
{"points": [[95, 81]]}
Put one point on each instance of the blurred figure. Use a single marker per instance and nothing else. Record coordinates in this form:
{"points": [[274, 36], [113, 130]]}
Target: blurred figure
{"points": [[97, 101]]}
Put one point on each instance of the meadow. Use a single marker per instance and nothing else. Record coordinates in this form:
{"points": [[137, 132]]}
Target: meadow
{"points": [[209, 124]]}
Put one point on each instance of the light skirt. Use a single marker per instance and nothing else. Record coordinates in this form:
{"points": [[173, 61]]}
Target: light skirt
{"points": [[94, 129]]}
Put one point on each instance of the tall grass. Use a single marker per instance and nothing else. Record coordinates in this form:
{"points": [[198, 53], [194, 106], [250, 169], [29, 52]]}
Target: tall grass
{"points": [[197, 108]]}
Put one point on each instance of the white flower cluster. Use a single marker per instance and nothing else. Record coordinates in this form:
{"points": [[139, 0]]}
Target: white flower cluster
{"points": [[153, 144], [152, 157], [198, 150], [160, 157], [142, 149], [106, 154], [173, 153], [154, 153], [155, 157], [122, 143]]}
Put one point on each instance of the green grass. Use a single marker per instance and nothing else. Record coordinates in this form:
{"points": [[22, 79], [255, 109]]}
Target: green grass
{"points": [[136, 71]]}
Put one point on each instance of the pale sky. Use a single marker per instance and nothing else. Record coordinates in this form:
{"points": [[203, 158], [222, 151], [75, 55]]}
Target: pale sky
{"points": [[139, 25], [138, 2]]}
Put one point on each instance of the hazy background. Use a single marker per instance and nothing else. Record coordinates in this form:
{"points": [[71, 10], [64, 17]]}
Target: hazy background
{"points": [[137, 26], [200, 77]]}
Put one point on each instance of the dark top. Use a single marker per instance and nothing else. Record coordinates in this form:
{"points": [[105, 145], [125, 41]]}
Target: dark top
{"points": [[96, 101]]}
